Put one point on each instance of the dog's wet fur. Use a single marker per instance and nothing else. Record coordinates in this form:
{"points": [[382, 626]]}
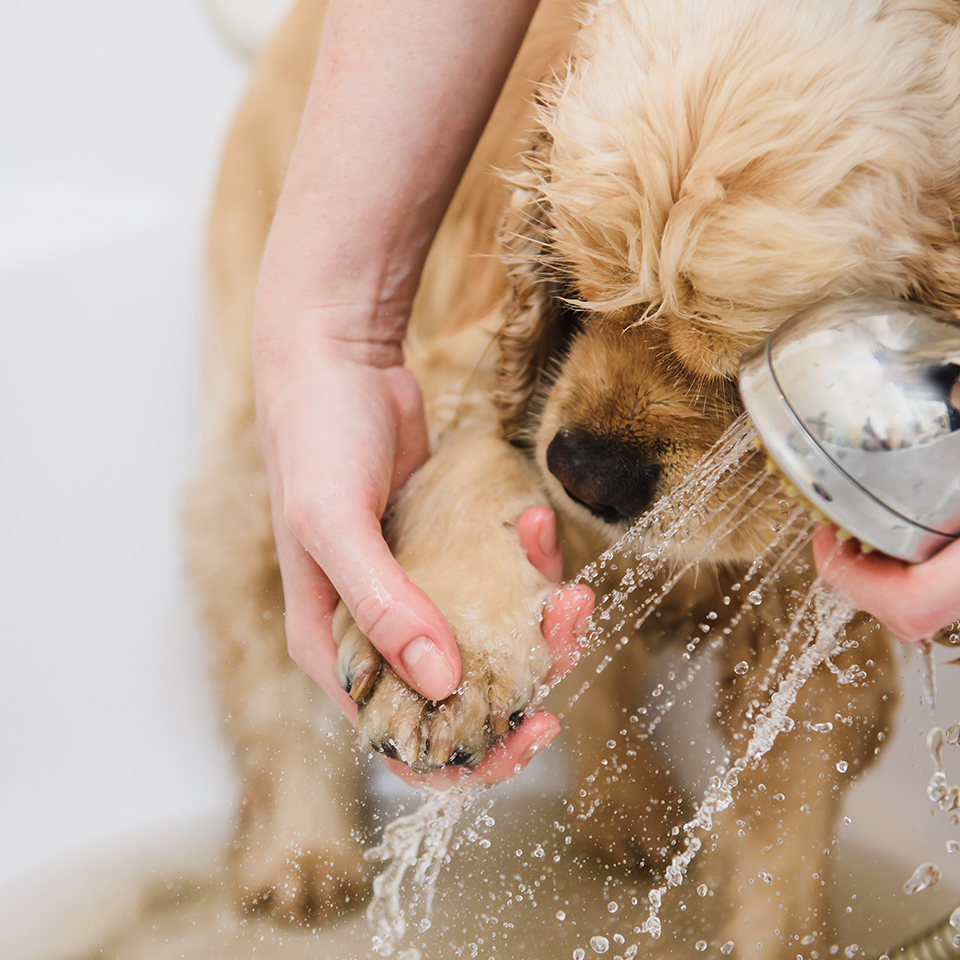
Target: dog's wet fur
{"points": [[693, 173]]}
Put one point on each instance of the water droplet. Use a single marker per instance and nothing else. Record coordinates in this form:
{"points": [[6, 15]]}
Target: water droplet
{"points": [[700, 946], [851, 951], [561, 916], [766, 877], [926, 875], [539, 852], [599, 944], [424, 925], [955, 919], [842, 766], [578, 954], [652, 926], [755, 597], [611, 744], [727, 948], [953, 846], [613, 906], [702, 890], [741, 668]]}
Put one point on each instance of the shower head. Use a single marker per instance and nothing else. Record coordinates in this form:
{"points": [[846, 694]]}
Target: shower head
{"points": [[857, 401]]}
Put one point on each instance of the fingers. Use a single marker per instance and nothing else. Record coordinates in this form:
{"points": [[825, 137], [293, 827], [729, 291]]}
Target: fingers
{"points": [[537, 530], [913, 600], [310, 600], [565, 618]]}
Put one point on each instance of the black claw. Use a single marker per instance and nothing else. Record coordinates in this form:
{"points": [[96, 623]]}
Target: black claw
{"points": [[515, 719], [345, 677], [388, 748], [460, 758]]}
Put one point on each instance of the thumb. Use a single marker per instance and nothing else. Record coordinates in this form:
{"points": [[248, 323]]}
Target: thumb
{"points": [[397, 617]]}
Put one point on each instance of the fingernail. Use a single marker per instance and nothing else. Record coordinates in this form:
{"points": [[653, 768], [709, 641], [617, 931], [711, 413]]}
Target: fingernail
{"points": [[428, 668], [547, 537]]}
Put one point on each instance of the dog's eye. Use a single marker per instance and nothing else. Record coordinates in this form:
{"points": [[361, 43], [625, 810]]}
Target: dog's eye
{"points": [[569, 322]]}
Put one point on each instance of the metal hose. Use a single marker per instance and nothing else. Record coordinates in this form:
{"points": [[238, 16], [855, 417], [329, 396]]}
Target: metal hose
{"points": [[937, 943]]}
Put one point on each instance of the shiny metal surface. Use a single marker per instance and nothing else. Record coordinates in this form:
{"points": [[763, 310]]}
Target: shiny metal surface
{"points": [[858, 401]]}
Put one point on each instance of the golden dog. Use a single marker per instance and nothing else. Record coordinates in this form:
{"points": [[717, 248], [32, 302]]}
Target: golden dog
{"points": [[688, 176]]}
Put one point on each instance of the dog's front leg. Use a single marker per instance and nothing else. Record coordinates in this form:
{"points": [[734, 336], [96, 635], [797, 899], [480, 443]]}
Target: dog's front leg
{"points": [[452, 530], [771, 853]]}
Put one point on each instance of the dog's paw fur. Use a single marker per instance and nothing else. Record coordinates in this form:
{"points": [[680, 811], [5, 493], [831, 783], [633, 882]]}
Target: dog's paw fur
{"points": [[499, 680], [296, 853]]}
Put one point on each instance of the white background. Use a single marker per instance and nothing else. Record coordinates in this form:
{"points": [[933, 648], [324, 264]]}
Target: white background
{"points": [[111, 116]]}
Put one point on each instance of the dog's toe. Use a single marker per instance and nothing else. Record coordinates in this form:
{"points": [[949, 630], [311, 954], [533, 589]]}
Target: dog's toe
{"points": [[358, 661], [455, 732], [391, 720]]}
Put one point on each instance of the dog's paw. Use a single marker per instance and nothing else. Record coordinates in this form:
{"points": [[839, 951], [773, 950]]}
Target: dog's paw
{"points": [[501, 677], [297, 879], [295, 854]]}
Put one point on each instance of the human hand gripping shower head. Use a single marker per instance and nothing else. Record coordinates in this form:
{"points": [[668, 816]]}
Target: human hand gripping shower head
{"points": [[857, 402]]}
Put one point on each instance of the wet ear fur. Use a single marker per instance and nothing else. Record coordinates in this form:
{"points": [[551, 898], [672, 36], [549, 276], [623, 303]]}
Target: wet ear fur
{"points": [[533, 330]]}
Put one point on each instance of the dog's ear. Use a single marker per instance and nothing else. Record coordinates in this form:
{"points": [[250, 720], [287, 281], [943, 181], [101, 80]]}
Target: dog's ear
{"points": [[538, 320]]}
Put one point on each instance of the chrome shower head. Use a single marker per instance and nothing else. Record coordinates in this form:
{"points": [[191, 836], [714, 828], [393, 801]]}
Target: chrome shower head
{"points": [[858, 402]]}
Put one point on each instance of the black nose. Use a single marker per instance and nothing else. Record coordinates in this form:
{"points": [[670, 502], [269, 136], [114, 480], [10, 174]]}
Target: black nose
{"points": [[613, 482]]}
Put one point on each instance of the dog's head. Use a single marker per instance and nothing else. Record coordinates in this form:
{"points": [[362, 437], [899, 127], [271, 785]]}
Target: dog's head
{"points": [[700, 173]]}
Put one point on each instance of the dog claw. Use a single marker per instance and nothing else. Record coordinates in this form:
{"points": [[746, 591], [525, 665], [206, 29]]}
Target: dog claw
{"points": [[500, 718], [461, 758], [362, 684], [388, 749], [358, 662]]}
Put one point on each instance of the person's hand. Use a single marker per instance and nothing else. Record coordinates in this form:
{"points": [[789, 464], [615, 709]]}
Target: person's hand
{"points": [[341, 427], [913, 600]]}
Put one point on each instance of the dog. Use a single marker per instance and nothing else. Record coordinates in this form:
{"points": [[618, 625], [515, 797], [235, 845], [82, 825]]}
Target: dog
{"points": [[690, 174]]}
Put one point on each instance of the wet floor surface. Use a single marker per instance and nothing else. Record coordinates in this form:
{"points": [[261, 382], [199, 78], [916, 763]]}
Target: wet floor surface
{"points": [[502, 895]]}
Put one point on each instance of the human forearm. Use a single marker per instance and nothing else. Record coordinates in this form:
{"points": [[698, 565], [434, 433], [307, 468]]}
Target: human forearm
{"points": [[400, 95]]}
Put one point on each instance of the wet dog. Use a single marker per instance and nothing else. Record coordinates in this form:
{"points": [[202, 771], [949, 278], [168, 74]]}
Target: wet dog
{"points": [[694, 174]]}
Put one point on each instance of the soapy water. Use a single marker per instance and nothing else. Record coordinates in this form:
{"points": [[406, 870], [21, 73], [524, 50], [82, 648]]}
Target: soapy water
{"points": [[423, 840]]}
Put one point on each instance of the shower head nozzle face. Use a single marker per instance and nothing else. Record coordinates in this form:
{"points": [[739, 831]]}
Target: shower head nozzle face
{"points": [[857, 402]]}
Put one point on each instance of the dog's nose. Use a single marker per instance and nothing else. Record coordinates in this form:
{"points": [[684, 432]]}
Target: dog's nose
{"points": [[611, 481]]}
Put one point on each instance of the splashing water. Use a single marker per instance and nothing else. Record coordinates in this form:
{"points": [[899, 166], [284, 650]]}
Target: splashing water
{"points": [[926, 875], [421, 839], [939, 790], [828, 616]]}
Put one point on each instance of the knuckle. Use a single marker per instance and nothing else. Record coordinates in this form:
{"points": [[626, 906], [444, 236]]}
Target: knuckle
{"points": [[299, 516], [368, 613]]}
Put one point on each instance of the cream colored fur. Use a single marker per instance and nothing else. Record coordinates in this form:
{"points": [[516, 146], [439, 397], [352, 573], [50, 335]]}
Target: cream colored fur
{"points": [[693, 172]]}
